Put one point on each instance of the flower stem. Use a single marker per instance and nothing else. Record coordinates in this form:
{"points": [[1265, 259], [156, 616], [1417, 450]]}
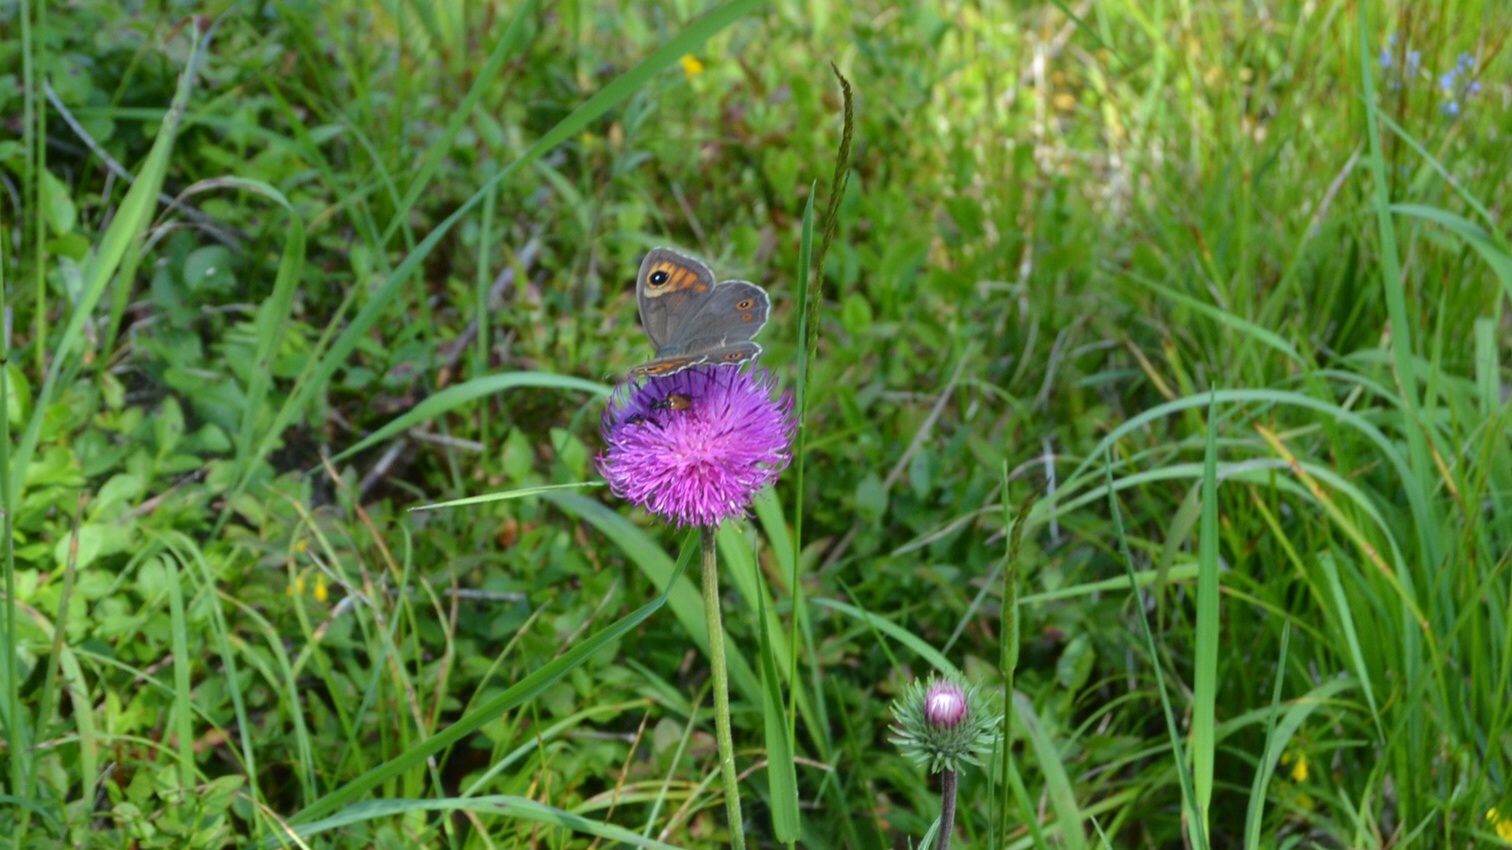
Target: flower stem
{"points": [[721, 686], [947, 808]]}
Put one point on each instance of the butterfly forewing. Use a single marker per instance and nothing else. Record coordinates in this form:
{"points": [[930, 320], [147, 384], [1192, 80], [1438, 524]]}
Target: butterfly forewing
{"points": [[670, 290], [692, 320]]}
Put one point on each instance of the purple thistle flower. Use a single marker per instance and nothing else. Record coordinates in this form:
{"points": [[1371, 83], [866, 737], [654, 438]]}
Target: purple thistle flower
{"points": [[696, 446]]}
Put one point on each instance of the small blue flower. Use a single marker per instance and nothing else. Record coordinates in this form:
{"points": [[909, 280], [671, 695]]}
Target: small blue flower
{"points": [[1452, 108], [1385, 57], [1446, 82], [1473, 89], [1414, 60], [1465, 62]]}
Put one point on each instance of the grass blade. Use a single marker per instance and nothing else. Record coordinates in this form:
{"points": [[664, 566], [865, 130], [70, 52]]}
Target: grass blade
{"points": [[1209, 633], [1351, 636], [921, 647], [1183, 775], [807, 313], [1484, 242], [782, 776], [183, 722], [523, 808], [1008, 654], [457, 395], [505, 494], [1057, 782]]}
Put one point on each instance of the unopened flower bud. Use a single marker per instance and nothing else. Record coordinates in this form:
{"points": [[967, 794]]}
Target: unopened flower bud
{"points": [[943, 724], [944, 704]]}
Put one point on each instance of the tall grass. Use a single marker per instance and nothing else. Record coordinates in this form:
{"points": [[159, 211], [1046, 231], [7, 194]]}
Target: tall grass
{"points": [[1227, 287]]}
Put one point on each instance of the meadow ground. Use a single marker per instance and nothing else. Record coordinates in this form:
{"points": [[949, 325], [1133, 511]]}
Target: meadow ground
{"points": [[1213, 295]]}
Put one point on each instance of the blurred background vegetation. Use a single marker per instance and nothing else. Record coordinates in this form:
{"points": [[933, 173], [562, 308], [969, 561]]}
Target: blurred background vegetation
{"points": [[1080, 240]]}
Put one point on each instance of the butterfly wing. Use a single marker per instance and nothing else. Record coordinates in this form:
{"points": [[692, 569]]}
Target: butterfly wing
{"points": [[692, 320], [733, 354], [663, 366], [735, 312], [671, 290]]}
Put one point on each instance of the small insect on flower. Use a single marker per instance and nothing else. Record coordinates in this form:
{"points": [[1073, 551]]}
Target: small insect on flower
{"points": [[721, 439], [675, 401]]}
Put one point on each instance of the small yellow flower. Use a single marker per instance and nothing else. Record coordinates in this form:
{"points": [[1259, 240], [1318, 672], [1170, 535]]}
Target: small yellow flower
{"points": [[297, 587], [1299, 770], [691, 66], [1502, 824], [320, 588]]}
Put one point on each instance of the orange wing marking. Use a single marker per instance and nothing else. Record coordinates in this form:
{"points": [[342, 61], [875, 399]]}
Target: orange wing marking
{"points": [[678, 277]]}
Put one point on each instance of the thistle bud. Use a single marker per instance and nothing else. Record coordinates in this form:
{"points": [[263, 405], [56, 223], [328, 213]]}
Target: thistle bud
{"points": [[944, 723], [944, 704]]}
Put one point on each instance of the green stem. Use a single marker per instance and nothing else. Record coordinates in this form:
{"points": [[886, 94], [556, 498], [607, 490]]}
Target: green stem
{"points": [[721, 686], [947, 808]]}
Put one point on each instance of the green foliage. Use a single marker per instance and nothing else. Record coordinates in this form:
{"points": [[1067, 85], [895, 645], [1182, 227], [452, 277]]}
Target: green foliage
{"points": [[1223, 288]]}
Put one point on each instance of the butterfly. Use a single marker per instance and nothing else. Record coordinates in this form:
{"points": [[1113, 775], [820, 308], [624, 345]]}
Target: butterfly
{"points": [[692, 320]]}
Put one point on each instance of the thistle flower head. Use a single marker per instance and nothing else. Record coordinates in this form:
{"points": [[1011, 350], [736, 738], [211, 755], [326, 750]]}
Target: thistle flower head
{"points": [[695, 447], [943, 723]]}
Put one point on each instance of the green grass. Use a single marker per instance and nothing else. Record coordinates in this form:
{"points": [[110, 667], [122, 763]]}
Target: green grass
{"points": [[1205, 293]]}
